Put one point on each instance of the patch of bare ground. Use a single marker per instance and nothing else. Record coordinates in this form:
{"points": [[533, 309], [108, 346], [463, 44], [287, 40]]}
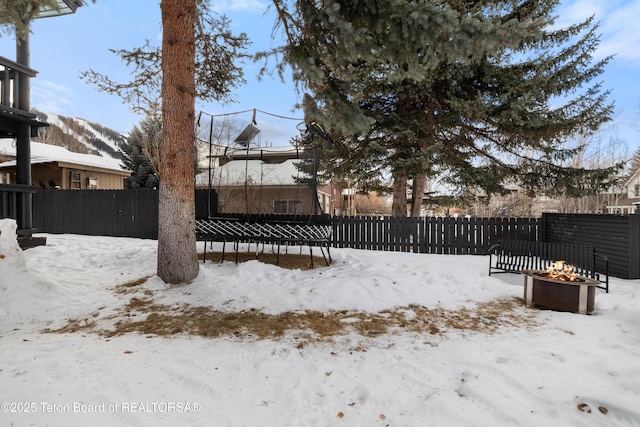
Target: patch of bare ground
{"points": [[141, 314], [288, 259]]}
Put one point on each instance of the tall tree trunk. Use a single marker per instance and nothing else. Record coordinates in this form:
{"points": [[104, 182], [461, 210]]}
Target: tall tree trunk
{"points": [[399, 205], [177, 259], [419, 184]]}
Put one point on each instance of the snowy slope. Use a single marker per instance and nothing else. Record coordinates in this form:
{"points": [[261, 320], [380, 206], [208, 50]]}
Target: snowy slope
{"points": [[79, 135]]}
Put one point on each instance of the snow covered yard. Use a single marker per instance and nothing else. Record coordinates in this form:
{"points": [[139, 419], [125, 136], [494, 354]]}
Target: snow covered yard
{"points": [[527, 368]]}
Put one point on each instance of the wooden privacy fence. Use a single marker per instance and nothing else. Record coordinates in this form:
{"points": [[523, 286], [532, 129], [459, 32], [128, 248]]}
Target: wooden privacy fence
{"points": [[615, 236], [134, 213], [119, 213], [434, 235]]}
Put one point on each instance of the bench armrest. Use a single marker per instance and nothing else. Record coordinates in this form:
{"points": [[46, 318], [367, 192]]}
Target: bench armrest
{"points": [[605, 259]]}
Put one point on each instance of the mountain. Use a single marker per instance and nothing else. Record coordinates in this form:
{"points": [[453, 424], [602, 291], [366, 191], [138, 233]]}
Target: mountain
{"points": [[79, 135]]}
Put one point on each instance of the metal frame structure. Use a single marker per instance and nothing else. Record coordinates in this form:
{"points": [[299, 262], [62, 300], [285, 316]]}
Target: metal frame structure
{"points": [[278, 233], [237, 230]]}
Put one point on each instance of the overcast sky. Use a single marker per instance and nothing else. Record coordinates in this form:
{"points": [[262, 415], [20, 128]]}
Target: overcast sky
{"points": [[63, 47]]}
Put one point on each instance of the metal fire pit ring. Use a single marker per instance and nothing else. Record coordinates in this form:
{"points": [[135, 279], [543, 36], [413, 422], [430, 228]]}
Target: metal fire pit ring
{"points": [[560, 295]]}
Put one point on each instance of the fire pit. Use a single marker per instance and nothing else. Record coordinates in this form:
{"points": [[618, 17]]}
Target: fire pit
{"points": [[560, 288]]}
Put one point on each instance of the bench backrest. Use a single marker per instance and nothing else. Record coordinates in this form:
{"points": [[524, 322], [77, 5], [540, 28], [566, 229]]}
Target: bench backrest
{"points": [[534, 255]]}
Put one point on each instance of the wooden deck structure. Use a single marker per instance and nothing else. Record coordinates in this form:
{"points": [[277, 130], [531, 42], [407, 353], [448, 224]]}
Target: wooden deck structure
{"points": [[16, 121]]}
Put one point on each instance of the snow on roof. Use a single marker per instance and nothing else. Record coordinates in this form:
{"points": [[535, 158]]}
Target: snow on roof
{"points": [[278, 149], [44, 153], [256, 172]]}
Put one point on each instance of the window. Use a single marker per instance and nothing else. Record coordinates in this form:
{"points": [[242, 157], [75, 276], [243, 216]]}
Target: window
{"points": [[636, 190], [92, 183], [76, 181], [287, 206]]}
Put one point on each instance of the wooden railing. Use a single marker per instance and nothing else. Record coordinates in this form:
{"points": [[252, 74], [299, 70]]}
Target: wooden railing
{"points": [[11, 74], [13, 199]]}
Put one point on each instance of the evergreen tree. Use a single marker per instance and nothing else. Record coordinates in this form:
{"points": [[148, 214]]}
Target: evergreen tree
{"points": [[216, 71], [140, 153], [177, 258], [196, 59], [484, 92], [314, 143]]}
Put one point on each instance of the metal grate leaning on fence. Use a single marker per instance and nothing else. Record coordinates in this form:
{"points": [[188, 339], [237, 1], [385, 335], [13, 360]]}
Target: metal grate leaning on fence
{"points": [[278, 233]]}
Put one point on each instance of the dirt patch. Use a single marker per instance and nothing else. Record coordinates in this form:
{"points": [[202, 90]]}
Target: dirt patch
{"points": [[288, 260], [141, 314]]}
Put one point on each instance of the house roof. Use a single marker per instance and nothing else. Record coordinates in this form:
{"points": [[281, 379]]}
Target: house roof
{"points": [[46, 153], [633, 176], [625, 203], [275, 154], [255, 172]]}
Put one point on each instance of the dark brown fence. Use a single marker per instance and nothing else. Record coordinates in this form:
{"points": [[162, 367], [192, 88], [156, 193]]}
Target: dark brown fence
{"points": [[615, 236], [461, 236], [134, 213], [97, 212], [120, 213]]}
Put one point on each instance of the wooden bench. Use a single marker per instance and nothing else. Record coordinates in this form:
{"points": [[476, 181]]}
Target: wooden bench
{"points": [[272, 232], [513, 256]]}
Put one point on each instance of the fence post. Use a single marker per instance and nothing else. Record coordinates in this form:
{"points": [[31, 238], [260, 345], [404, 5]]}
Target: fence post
{"points": [[542, 228], [634, 245]]}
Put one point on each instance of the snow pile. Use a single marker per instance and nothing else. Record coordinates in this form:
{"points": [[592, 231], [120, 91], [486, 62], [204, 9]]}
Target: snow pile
{"points": [[24, 296], [11, 256]]}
